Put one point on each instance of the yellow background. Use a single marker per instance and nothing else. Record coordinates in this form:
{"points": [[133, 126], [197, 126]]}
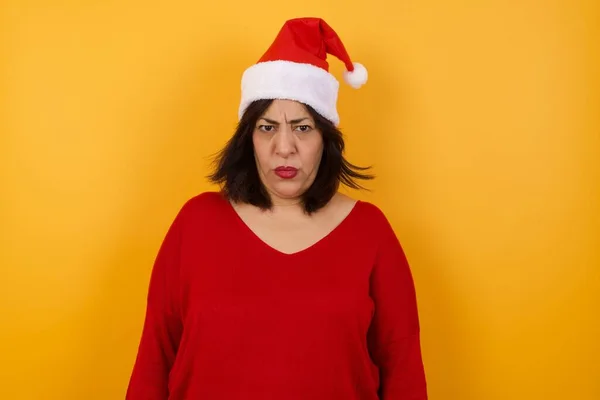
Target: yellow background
{"points": [[481, 119]]}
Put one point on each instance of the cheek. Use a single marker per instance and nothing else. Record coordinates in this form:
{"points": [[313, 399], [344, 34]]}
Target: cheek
{"points": [[314, 155], [260, 151]]}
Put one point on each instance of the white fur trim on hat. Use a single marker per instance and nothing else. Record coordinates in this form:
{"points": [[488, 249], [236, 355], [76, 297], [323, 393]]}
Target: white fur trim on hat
{"points": [[288, 80]]}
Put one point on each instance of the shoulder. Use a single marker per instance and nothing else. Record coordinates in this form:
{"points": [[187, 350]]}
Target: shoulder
{"points": [[376, 228], [372, 214], [206, 199], [209, 204], [372, 222], [363, 212]]}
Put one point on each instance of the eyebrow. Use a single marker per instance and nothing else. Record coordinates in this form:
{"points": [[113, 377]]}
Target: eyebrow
{"points": [[294, 121]]}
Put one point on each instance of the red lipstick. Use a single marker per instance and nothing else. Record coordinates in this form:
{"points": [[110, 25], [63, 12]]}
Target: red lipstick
{"points": [[286, 172]]}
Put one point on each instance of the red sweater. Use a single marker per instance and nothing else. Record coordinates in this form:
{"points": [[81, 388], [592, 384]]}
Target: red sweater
{"points": [[229, 317]]}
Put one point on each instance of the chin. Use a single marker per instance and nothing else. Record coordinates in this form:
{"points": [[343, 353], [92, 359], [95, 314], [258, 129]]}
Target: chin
{"points": [[288, 190]]}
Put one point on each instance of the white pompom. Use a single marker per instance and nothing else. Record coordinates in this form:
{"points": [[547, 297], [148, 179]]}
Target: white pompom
{"points": [[358, 77]]}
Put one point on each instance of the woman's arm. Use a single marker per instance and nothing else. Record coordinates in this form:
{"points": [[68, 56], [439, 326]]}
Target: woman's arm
{"points": [[394, 337], [162, 326]]}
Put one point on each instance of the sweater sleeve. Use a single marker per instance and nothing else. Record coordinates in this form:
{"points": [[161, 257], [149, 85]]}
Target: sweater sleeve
{"points": [[394, 336], [162, 327]]}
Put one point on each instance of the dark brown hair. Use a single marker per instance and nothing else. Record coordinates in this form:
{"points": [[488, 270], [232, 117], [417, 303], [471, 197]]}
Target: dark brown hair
{"points": [[235, 166]]}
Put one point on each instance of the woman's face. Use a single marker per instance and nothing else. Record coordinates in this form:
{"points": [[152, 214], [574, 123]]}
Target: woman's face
{"points": [[287, 149]]}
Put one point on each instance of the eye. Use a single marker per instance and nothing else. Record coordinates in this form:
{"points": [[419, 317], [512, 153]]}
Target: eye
{"points": [[304, 128], [266, 128]]}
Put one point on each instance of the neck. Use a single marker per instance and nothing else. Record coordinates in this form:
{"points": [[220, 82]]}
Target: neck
{"points": [[286, 205]]}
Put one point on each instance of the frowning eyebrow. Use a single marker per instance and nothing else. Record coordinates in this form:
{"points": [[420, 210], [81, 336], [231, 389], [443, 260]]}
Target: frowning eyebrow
{"points": [[294, 121]]}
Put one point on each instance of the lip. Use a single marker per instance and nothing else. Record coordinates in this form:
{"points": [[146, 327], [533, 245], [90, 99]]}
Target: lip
{"points": [[286, 172]]}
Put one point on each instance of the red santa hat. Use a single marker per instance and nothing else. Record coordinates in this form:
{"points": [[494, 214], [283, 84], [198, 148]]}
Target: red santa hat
{"points": [[295, 67]]}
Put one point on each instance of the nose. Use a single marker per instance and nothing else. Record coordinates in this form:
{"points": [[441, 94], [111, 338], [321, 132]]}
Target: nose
{"points": [[284, 142]]}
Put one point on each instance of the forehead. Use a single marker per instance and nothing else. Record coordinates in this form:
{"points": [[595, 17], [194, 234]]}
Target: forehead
{"points": [[288, 109]]}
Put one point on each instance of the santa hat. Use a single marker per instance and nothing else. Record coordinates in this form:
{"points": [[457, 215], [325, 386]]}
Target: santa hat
{"points": [[295, 68]]}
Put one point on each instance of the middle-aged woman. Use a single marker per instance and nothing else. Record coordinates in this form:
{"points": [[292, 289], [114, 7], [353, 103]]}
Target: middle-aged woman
{"points": [[278, 286]]}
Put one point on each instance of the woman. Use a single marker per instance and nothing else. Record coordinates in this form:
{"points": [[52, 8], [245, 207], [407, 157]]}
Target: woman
{"points": [[278, 286]]}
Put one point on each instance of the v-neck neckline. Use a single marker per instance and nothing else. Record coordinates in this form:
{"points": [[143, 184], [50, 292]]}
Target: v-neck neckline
{"points": [[312, 247]]}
